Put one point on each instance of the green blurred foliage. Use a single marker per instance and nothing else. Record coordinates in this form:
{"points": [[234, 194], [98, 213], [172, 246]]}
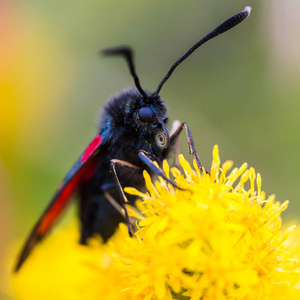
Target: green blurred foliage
{"points": [[239, 91]]}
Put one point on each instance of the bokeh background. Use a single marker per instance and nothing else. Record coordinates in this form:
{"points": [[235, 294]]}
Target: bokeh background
{"points": [[240, 91]]}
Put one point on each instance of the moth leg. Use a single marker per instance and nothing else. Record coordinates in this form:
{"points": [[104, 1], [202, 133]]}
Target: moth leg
{"points": [[115, 204], [128, 166], [149, 160], [176, 149], [191, 144]]}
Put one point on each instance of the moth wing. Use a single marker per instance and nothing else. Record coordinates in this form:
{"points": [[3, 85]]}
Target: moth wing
{"points": [[82, 170]]}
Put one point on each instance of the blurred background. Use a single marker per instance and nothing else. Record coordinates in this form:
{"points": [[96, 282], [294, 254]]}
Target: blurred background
{"points": [[240, 91]]}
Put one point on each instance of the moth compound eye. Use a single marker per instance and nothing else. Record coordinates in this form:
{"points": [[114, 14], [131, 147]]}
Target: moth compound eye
{"points": [[161, 139], [146, 114]]}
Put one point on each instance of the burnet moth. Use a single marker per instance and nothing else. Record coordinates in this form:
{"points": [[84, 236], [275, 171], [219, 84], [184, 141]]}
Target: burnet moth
{"points": [[132, 136]]}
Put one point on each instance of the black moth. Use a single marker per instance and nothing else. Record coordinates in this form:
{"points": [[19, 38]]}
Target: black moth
{"points": [[132, 135]]}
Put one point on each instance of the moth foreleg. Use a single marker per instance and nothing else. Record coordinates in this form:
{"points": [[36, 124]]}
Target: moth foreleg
{"points": [[128, 166]]}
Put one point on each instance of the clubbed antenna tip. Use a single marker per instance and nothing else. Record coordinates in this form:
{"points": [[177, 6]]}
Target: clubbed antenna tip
{"points": [[127, 53], [225, 26], [248, 9]]}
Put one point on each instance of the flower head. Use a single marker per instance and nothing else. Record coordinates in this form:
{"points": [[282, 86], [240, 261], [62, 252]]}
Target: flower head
{"points": [[217, 237]]}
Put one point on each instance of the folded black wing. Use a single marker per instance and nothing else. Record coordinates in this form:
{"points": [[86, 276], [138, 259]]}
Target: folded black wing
{"points": [[82, 170]]}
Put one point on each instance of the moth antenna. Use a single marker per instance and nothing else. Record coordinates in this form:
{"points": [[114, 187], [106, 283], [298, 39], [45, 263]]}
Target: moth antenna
{"points": [[226, 25], [127, 53]]}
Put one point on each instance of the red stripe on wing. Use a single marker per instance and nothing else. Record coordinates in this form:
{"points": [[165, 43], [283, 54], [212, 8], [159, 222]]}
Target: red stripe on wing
{"points": [[65, 192], [91, 148]]}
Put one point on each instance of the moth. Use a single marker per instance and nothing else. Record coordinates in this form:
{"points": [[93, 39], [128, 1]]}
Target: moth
{"points": [[132, 136]]}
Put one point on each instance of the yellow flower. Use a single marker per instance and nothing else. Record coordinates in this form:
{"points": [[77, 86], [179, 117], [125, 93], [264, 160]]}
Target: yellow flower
{"points": [[218, 237]]}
